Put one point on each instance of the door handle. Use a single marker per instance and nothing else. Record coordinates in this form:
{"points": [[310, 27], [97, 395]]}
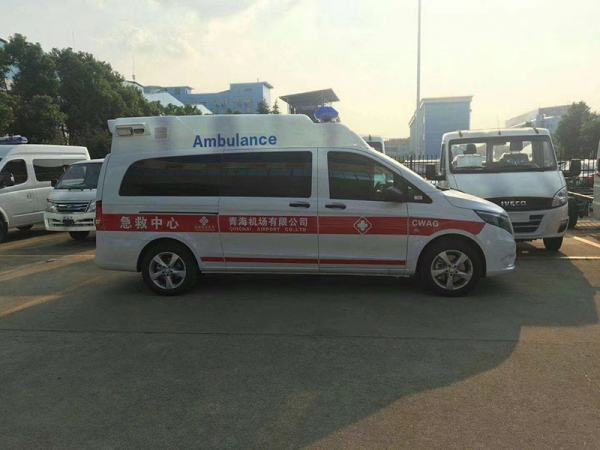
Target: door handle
{"points": [[335, 206], [300, 204]]}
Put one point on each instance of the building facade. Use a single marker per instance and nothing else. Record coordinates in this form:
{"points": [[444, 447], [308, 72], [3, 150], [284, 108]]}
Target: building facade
{"points": [[540, 118], [242, 97], [438, 116]]}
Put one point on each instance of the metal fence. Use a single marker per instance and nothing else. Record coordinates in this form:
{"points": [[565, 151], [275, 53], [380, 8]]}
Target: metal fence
{"points": [[584, 183], [418, 163]]}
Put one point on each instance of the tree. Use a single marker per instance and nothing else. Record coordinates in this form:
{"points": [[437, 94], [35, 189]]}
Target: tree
{"points": [[263, 107], [275, 109], [40, 120], [8, 104], [578, 133]]}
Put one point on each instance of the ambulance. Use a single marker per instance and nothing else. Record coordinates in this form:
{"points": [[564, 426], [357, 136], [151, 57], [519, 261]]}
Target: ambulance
{"points": [[180, 196]]}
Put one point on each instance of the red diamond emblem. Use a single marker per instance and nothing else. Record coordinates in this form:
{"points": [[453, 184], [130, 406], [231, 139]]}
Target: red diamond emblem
{"points": [[362, 225]]}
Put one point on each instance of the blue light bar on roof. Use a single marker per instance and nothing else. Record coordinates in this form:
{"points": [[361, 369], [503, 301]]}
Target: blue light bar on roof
{"points": [[327, 114], [11, 140]]}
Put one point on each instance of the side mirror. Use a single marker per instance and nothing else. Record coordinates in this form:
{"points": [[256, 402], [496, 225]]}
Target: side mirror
{"points": [[431, 174], [393, 194], [574, 169], [9, 179], [53, 183]]}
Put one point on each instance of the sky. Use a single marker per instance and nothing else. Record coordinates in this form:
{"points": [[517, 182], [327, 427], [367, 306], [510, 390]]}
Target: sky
{"points": [[511, 55]]}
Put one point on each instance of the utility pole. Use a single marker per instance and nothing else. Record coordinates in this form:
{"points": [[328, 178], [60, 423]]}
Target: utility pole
{"points": [[418, 124]]}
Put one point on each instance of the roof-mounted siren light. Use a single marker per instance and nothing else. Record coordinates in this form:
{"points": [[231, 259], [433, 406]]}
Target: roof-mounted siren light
{"points": [[131, 130], [11, 140], [327, 114]]}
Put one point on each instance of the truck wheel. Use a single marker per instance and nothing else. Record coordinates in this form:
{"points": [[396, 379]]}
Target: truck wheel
{"points": [[79, 235], [25, 228], [553, 244], [3, 230], [169, 269], [573, 214], [451, 268]]}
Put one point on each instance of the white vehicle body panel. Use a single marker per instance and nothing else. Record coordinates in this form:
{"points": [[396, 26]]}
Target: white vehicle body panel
{"points": [[303, 234]]}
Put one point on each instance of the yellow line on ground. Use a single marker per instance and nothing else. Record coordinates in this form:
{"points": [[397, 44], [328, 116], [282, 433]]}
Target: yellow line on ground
{"points": [[47, 298], [31, 241], [43, 266], [586, 241]]}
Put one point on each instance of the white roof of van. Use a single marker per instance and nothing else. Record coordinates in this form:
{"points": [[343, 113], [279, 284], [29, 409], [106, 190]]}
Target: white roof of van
{"points": [[198, 133], [470, 134], [35, 149]]}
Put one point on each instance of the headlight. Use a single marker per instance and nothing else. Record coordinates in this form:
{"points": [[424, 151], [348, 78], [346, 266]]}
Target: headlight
{"points": [[50, 206], [560, 198], [496, 219], [92, 207]]}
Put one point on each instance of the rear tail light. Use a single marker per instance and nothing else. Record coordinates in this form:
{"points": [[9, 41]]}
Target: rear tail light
{"points": [[99, 218]]}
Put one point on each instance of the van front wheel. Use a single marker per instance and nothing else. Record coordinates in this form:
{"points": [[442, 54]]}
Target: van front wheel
{"points": [[553, 244], [451, 268], [169, 269], [79, 235]]}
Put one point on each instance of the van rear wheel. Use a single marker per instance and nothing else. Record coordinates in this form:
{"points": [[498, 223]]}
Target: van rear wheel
{"points": [[79, 235], [169, 269], [451, 268], [553, 244]]}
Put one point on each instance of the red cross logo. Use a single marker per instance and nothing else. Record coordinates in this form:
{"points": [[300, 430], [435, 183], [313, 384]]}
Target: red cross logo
{"points": [[362, 225]]}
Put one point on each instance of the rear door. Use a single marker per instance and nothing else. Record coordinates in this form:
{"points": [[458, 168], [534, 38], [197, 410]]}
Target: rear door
{"points": [[358, 231], [19, 200], [268, 211]]}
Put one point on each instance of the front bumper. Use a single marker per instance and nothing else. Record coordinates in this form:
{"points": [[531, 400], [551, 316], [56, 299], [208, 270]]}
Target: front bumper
{"points": [[548, 223], [70, 221], [499, 248]]}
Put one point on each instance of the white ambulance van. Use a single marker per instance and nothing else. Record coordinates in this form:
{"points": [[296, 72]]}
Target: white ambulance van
{"points": [[71, 205], [280, 194], [26, 174], [376, 142], [515, 169]]}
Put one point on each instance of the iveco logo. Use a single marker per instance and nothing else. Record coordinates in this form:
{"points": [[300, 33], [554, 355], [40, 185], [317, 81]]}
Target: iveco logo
{"points": [[513, 203]]}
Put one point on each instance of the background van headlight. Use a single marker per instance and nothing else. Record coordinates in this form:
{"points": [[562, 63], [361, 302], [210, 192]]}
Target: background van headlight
{"points": [[496, 219], [560, 198], [91, 207], [50, 206]]}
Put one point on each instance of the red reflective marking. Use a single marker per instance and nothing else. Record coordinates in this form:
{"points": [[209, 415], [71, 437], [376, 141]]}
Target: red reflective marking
{"points": [[423, 226], [348, 225], [367, 262], [213, 259], [161, 223], [274, 260], [268, 224]]}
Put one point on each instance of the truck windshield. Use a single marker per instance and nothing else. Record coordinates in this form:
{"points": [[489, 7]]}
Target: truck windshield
{"points": [[500, 154], [80, 176]]}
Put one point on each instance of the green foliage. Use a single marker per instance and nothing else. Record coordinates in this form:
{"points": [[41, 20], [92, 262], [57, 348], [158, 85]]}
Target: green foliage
{"points": [[8, 104], [263, 107], [67, 97], [578, 133], [275, 109]]}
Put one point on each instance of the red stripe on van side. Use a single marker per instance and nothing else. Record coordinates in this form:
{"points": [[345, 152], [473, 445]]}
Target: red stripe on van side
{"points": [[368, 262], [274, 260], [268, 224], [423, 226], [363, 225], [365, 262], [176, 223]]}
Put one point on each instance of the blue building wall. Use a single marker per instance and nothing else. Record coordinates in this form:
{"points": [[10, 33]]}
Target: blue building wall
{"points": [[243, 97], [443, 118]]}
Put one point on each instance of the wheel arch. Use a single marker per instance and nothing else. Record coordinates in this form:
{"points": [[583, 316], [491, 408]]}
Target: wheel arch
{"points": [[453, 236], [150, 245]]}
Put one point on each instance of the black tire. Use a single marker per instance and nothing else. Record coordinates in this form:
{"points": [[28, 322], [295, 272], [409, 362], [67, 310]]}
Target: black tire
{"points": [[170, 271], [79, 235], [432, 261], [25, 228], [573, 214], [3, 230], [553, 244]]}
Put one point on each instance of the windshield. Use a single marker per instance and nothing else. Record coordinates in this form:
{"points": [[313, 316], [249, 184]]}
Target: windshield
{"points": [[501, 154], [80, 176]]}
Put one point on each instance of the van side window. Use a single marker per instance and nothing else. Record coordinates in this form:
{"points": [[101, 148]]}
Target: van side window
{"points": [[51, 169], [357, 177], [173, 176], [267, 174], [18, 168]]}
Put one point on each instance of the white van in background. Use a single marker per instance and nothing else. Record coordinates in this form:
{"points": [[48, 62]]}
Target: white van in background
{"points": [[71, 205], [515, 169], [26, 173], [280, 194], [376, 142]]}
